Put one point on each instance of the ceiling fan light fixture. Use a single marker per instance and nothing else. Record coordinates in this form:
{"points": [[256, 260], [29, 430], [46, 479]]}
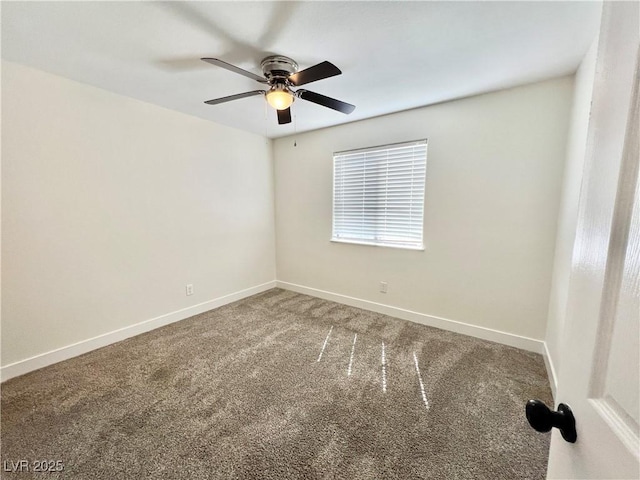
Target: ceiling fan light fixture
{"points": [[279, 97], [281, 74]]}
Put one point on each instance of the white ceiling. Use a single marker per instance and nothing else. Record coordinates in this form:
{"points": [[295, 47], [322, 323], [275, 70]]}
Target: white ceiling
{"points": [[394, 55]]}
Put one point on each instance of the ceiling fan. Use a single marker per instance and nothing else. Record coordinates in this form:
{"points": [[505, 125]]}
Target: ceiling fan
{"points": [[281, 74]]}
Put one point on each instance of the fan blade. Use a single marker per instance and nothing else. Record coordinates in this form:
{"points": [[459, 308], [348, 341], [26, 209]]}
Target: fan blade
{"points": [[234, 97], [326, 101], [315, 73], [284, 116], [219, 63]]}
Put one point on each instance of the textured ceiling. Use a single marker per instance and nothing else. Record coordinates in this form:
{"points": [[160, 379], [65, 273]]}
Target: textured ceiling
{"points": [[394, 55]]}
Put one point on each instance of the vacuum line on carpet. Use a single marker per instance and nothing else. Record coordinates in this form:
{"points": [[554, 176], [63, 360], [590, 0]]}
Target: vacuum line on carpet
{"points": [[353, 349], [325, 343], [384, 371], [424, 395]]}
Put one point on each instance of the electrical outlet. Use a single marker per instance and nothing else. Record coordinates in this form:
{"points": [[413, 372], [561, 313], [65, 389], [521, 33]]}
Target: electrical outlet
{"points": [[190, 289], [383, 287]]}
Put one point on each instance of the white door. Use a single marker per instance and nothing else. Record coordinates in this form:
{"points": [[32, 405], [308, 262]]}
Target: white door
{"points": [[600, 363]]}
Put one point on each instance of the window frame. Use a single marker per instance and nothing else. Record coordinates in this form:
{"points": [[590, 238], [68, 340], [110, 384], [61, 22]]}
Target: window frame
{"points": [[416, 246]]}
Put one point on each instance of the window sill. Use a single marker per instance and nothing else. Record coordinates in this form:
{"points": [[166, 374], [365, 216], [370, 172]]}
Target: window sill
{"points": [[371, 244]]}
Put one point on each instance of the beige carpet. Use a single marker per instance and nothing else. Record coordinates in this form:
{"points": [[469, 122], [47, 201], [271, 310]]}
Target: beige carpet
{"points": [[282, 386]]}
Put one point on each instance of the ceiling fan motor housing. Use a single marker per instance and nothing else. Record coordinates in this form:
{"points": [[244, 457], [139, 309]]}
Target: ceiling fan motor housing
{"points": [[277, 68]]}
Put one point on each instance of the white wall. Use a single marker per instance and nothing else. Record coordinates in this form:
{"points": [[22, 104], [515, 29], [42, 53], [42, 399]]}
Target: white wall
{"points": [[110, 206], [494, 176], [568, 212]]}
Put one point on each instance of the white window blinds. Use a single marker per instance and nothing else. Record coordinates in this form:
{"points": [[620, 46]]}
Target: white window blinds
{"points": [[378, 195]]}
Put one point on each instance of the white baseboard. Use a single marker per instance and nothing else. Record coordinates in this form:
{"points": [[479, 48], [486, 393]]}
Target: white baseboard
{"points": [[54, 356], [551, 371], [484, 333]]}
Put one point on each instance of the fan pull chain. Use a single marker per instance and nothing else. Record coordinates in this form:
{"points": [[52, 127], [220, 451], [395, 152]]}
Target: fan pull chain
{"points": [[266, 139], [295, 129]]}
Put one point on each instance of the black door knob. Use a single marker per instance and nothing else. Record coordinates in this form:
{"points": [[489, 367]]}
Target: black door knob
{"points": [[543, 419]]}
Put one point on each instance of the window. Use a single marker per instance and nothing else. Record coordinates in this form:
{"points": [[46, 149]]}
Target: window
{"points": [[378, 195]]}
